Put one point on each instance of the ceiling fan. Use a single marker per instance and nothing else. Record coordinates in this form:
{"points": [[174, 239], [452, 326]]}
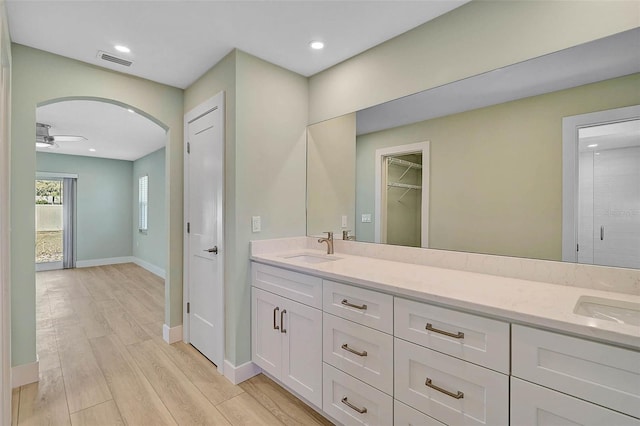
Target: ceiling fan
{"points": [[44, 140]]}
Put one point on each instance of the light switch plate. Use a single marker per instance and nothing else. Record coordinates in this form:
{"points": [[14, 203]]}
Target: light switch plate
{"points": [[256, 225], [344, 220], [366, 218]]}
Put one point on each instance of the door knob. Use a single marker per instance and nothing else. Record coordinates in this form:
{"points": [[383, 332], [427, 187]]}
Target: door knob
{"points": [[213, 250]]}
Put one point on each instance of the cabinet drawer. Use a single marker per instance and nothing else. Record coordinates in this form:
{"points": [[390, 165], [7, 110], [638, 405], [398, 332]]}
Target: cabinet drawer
{"points": [[458, 392], [537, 406], [292, 285], [606, 375], [352, 402], [475, 339], [403, 415], [368, 307], [373, 362]]}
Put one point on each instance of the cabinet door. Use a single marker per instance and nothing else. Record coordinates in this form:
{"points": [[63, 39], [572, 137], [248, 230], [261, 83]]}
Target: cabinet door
{"points": [[302, 350], [537, 406], [266, 347]]}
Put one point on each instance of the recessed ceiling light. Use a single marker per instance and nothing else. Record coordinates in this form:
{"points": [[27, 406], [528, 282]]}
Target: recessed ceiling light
{"points": [[121, 48], [316, 45], [593, 145], [92, 149]]}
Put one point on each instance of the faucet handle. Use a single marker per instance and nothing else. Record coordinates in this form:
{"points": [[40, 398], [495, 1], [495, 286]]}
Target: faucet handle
{"points": [[345, 234], [329, 234]]}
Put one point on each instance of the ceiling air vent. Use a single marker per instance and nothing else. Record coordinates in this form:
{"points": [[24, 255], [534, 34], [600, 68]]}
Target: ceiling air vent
{"points": [[111, 58]]}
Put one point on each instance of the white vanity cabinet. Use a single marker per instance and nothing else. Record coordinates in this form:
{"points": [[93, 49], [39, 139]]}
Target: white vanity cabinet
{"points": [[591, 371], [357, 354], [287, 337], [364, 357], [434, 373]]}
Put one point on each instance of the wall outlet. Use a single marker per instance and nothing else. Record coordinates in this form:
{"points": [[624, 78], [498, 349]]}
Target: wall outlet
{"points": [[366, 218], [256, 225], [344, 220]]}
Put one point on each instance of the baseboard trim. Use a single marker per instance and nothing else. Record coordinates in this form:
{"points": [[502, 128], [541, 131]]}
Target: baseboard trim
{"points": [[48, 266], [240, 373], [150, 267], [24, 374], [106, 261], [171, 334]]}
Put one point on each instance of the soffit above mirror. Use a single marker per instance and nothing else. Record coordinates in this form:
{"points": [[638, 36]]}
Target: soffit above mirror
{"points": [[603, 59]]}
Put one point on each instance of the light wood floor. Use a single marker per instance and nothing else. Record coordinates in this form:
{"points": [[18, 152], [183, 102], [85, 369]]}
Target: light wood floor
{"points": [[103, 362]]}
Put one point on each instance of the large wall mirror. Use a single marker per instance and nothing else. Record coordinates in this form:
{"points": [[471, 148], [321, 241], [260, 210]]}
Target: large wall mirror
{"points": [[477, 165]]}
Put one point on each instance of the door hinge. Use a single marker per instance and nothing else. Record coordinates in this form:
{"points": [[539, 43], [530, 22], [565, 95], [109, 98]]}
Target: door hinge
{"points": [[188, 148], [577, 247], [188, 307], [188, 227]]}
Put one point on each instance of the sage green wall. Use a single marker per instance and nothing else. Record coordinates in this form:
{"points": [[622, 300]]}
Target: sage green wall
{"points": [[477, 37], [330, 175], [103, 209], [496, 172], [265, 159], [152, 246], [39, 77]]}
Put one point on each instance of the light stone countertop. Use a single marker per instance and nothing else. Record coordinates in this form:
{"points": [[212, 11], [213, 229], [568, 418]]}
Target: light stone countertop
{"points": [[520, 301]]}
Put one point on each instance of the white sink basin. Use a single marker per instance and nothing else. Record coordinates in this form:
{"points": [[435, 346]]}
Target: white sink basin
{"points": [[311, 258], [618, 311]]}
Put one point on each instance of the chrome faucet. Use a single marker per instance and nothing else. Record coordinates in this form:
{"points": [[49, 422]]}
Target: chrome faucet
{"points": [[346, 236], [329, 241]]}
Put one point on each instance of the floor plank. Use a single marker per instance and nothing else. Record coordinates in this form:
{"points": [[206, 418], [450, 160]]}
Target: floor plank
{"points": [[185, 402], [83, 380], [105, 414], [289, 411], [199, 370], [44, 403], [135, 397], [123, 324], [246, 410]]}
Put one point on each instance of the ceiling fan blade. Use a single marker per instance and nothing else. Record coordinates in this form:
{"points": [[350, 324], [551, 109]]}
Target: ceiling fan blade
{"points": [[68, 138]]}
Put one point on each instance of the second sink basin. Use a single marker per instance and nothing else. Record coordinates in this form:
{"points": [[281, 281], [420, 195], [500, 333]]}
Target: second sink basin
{"points": [[618, 311], [311, 258]]}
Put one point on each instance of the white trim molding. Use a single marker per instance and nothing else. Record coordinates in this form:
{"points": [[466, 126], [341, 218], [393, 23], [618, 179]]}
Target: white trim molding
{"points": [[26, 373], [150, 267], [240, 373], [106, 261], [171, 334], [48, 266], [570, 127]]}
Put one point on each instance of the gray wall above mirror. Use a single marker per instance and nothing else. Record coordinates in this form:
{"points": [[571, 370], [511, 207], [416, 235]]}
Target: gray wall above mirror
{"points": [[495, 170]]}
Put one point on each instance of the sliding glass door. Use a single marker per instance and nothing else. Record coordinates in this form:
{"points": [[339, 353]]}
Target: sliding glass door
{"points": [[55, 206]]}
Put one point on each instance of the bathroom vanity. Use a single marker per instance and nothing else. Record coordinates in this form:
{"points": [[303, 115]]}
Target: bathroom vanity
{"points": [[371, 341]]}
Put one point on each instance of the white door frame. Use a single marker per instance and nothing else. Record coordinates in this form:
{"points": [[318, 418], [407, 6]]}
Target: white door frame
{"points": [[200, 110], [414, 148], [570, 127]]}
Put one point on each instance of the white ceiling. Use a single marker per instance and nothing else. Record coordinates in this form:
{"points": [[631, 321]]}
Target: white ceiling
{"points": [[112, 130], [174, 42]]}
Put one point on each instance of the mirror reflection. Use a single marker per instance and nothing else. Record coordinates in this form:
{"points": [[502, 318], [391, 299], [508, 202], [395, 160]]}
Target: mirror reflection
{"points": [[491, 178]]}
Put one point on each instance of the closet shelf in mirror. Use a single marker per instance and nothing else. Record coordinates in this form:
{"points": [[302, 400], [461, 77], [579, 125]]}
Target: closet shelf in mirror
{"points": [[403, 185], [404, 163]]}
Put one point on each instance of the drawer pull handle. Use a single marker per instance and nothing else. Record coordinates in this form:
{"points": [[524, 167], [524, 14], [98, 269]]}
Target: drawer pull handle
{"points": [[275, 327], [458, 395], [345, 302], [353, 407], [459, 335], [353, 351], [282, 330]]}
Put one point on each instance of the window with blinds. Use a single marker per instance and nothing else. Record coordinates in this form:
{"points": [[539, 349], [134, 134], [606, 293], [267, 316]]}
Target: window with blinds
{"points": [[143, 203]]}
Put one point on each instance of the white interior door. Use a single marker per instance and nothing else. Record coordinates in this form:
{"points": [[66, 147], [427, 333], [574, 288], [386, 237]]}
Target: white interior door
{"points": [[204, 215]]}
